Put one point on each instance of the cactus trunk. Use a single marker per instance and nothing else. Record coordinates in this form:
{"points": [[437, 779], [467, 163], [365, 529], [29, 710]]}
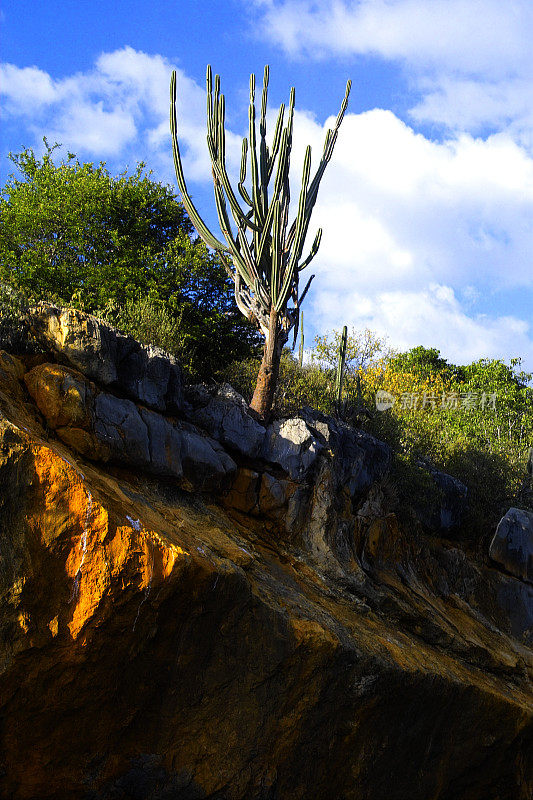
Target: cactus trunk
{"points": [[267, 379]]}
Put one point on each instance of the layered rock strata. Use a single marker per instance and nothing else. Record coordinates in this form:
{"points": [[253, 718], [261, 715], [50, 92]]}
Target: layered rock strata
{"points": [[270, 633]]}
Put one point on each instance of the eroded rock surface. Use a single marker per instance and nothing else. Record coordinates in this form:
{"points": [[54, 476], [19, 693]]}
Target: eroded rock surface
{"points": [[281, 637], [104, 427]]}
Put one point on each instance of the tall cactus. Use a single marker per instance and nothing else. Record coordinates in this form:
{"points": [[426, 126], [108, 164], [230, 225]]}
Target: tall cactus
{"points": [[265, 252]]}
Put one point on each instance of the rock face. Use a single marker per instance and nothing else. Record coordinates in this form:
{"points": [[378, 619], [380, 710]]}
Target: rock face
{"points": [[146, 374], [445, 507], [272, 635], [292, 445], [224, 415], [104, 427], [512, 545]]}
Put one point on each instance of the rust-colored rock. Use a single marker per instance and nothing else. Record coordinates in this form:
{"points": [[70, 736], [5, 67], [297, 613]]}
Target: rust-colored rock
{"points": [[154, 647], [61, 395]]}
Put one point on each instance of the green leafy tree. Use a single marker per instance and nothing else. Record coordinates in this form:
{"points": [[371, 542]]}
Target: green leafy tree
{"points": [[423, 362], [122, 246]]}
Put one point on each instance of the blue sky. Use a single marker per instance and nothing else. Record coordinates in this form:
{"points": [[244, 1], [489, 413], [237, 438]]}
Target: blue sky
{"points": [[427, 204]]}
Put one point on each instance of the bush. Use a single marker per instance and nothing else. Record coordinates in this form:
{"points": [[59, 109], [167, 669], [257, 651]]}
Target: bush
{"points": [[15, 333], [121, 247]]}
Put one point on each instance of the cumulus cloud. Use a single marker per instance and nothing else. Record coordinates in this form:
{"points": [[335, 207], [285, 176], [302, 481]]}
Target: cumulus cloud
{"points": [[418, 233], [122, 102], [431, 316], [471, 35], [470, 59]]}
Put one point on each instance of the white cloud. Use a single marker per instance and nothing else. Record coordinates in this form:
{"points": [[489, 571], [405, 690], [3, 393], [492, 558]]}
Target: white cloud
{"points": [[467, 104], [25, 90], [431, 316], [471, 60], [122, 102], [396, 206], [470, 35], [417, 234]]}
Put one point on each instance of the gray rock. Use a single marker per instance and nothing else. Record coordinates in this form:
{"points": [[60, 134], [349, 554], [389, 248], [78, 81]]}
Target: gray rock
{"points": [[512, 545], [146, 374], [225, 417], [145, 439], [165, 443], [151, 376], [515, 599], [359, 459], [292, 445], [446, 512], [119, 426], [206, 465]]}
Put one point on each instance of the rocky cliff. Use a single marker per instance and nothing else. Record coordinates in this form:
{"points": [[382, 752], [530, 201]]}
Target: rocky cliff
{"points": [[194, 606]]}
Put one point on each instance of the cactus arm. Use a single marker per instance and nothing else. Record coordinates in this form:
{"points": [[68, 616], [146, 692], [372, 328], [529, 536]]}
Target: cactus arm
{"points": [[274, 277], [263, 149], [242, 177], [307, 285], [302, 339], [254, 167], [331, 138], [277, 139], [199, 224], [216, 140], [313, 251], [340, 366], [239, 261]]}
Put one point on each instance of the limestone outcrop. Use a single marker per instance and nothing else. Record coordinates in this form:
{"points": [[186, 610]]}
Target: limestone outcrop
{"points": [[275, 633]]}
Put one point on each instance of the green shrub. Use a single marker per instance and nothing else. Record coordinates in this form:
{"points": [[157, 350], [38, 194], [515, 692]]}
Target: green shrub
{"points": [[121, 247]]}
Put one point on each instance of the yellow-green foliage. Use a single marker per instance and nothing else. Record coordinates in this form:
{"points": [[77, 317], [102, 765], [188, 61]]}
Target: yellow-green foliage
{"points": [[475, 422]]}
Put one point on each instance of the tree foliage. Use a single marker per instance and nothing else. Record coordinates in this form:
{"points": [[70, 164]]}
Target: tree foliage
{"points": [[121, 246], [362, 349]]}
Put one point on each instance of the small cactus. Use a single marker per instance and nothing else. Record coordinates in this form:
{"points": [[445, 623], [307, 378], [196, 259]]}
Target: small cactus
{"points": [[339, 380], [302, 341]]}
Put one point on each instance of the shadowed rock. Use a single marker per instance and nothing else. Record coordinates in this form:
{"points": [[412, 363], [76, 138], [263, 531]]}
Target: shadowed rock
{"points": [[512, 545]]}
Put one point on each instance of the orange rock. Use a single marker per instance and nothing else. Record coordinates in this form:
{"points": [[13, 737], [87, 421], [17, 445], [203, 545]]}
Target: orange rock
{"points": [[62, 395], [243, 495]]}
